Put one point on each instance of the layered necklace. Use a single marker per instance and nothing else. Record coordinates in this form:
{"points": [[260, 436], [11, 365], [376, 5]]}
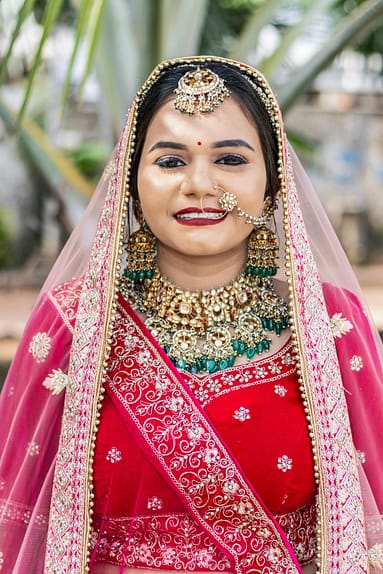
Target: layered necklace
{"points": [[204, 331]]}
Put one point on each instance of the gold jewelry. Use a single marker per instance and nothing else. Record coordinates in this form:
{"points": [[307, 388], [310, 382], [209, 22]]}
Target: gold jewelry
{"points": [[206, 330], [229, 202], [200, 91], [262, 251], [141, 250]]}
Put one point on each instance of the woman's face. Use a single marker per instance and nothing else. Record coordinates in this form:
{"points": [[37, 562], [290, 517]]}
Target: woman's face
{"points": [[187, 162]]}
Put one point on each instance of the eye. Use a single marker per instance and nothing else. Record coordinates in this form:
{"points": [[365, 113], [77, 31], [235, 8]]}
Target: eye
{"points": [[231, 159], [169, 162]]}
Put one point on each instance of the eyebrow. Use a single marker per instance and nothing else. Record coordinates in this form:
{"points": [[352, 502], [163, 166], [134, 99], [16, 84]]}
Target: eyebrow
{"points": [[216, 145], [167, 145], [232, 143]]}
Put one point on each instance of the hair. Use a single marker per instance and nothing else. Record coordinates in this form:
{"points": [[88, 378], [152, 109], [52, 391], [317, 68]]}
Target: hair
{"points": [[241, 90]]}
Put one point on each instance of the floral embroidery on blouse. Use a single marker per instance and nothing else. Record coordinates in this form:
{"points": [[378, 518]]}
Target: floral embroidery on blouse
{"points": [[268, 369], [375, 556], [285, 463], [280, 390], [340, 325], [2, 484], [114, 455], [1, 560], [40, 346], [242, 414], [56, 381], [356, 363], [155, 503], [361, 456], [33, 448]]}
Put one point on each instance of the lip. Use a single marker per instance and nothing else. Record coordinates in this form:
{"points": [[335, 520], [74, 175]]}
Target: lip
{"points": [[196, 216]]}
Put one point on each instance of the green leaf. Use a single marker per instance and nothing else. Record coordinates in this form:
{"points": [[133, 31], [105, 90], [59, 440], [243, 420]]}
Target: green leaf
{"points": [[248, 38], [359, 23], [82, 21], [177, 16], [24, 12], [55, 166], [268, 65], [95, 19], [51, 13]]}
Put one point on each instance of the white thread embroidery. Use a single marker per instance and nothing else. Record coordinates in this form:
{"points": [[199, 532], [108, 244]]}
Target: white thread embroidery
{"points": [[1, 560], [340, 325], [155, 503], [375, 556], [114, 455], [285, 463], [33, 448], [361, 456], [356, 363], [56, 381], [40, 346], [280, 390], [242, 414]]}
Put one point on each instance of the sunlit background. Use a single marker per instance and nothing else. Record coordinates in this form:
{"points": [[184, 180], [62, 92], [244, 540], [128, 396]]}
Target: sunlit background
{"points": [[69, 70]]}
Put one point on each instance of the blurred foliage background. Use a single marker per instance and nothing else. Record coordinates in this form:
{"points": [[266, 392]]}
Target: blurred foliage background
{"points": [[69, 69]]}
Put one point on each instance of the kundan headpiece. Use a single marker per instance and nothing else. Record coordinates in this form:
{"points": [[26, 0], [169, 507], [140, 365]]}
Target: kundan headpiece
{"points": [[200, 91]]}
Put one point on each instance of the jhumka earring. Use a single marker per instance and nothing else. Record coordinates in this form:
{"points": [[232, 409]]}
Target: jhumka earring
{"points": [[141, 250], [262, 246]]}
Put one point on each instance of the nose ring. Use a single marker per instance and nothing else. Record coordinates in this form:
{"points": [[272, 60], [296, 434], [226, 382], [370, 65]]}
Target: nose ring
{"points": [[228, 201]]}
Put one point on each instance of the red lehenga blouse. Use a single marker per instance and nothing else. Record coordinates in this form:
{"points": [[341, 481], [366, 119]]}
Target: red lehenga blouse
{"points": [[257, 410]]}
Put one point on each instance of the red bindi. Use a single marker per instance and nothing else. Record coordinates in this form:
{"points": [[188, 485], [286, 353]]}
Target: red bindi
{"points": [[199, 143]]}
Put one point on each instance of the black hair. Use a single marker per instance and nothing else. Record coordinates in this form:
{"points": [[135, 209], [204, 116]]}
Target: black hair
{"points": [[241, 90]]}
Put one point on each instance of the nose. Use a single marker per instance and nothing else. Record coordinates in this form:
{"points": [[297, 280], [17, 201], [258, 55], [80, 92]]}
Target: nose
{"points": [[199, 182]]}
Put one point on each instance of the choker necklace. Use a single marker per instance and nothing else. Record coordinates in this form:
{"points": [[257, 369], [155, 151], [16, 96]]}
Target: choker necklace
{"points": [[206, 330]]}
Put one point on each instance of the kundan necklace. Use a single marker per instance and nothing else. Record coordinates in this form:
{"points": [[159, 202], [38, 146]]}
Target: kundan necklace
{"points": [[206, 330]]}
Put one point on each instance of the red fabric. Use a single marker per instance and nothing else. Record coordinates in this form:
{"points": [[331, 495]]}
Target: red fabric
{"points": [[257, 410]]}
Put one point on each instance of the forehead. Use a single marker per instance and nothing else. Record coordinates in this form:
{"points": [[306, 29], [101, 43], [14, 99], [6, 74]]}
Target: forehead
{"points": [[227, 121]]}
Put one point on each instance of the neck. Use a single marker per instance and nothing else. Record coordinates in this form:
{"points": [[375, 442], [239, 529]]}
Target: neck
{"points": [[200, 273]]}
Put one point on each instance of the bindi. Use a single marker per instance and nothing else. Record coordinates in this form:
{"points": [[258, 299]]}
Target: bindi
{"points": [[199, 143]]}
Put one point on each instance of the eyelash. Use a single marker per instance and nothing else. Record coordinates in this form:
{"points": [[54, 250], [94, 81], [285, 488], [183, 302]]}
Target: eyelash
{"points": [[172, 162], [169, 162], [232, 159]]}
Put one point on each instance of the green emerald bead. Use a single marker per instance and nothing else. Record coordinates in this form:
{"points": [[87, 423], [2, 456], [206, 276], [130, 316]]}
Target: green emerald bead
{"points": [[250, 352], [181, 363], [141, 274], [278, 328], [264, 322], [231, 360], [223, 364], [211, 365], [194, 369], [270, 324], [266, 344], [241, 347], [199, 365], [235, 345], [260, 347]]}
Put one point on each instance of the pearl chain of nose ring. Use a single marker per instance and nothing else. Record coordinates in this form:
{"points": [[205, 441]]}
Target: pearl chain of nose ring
{"points": [[228, 201]]}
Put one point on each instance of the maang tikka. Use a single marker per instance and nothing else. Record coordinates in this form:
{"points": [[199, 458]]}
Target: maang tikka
{"points": [[141, 250], [200, 91]]}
